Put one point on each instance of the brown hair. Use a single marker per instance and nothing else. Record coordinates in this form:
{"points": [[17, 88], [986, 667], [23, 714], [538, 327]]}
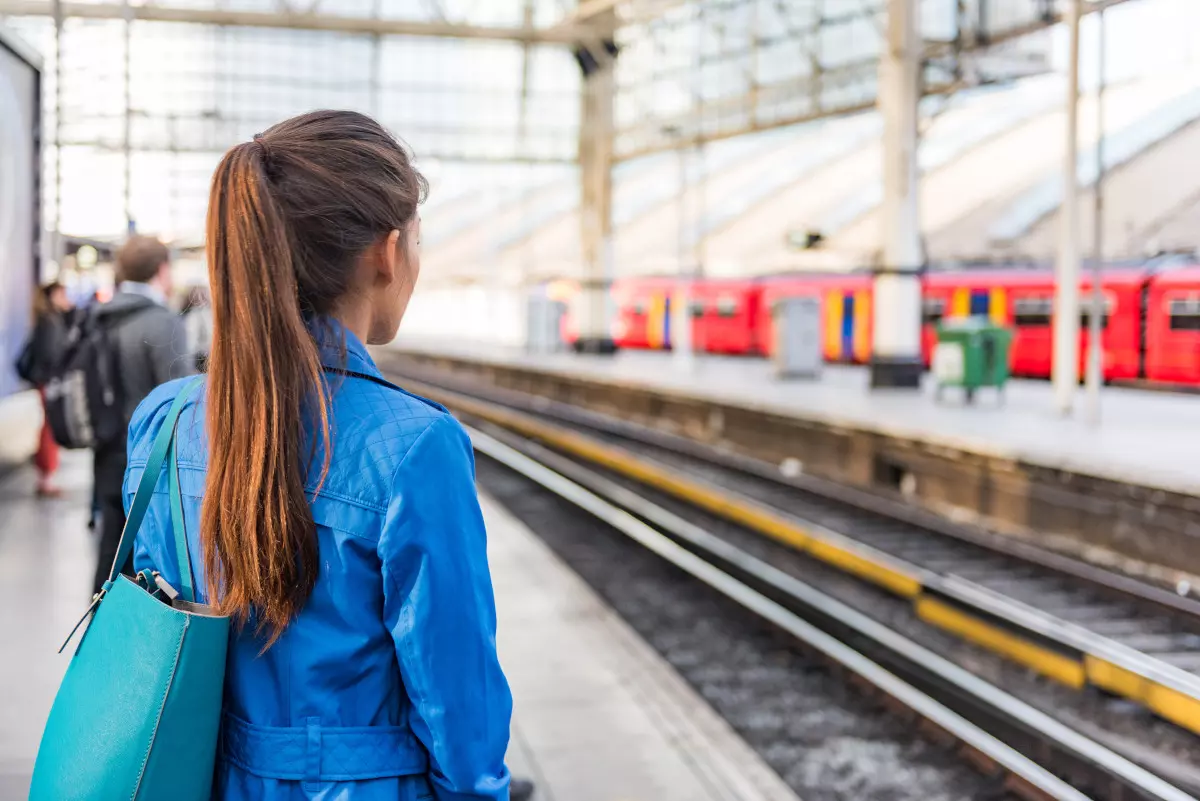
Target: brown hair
{"points": [[43, 299], [289, 215], [140, 259]]}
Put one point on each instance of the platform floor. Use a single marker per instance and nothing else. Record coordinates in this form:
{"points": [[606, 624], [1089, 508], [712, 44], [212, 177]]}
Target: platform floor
{"points": [[598, 715], [1145, 437]]}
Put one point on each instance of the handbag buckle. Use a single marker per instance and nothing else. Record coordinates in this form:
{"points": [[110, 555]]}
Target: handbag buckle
{"points": [[165, 587]]}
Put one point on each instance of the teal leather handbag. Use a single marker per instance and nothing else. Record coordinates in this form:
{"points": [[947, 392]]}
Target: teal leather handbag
{"points": [[138, 713]]}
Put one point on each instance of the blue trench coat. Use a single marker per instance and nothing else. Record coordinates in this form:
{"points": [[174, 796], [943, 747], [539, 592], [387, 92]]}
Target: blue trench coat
{"points": [[387, 684]]}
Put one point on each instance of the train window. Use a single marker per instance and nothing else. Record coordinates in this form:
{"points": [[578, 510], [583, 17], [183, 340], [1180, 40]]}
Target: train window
{"points": [[697, 308], [1032, 312], [639, 307], [1184, 313], [727, 306], [933, 310]]}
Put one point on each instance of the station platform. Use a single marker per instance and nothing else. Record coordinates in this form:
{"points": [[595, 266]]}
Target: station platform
{"points": [[1139, 439], [598, 715], [1128, 488]]}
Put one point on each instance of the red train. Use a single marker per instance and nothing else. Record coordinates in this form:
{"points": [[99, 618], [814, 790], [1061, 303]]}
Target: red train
{"points": [[1151, 324]]}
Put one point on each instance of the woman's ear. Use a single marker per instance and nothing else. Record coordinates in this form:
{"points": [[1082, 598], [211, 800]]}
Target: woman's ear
{"points": [[388, 260]]}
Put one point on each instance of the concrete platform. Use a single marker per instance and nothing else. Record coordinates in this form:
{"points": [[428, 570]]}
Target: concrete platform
{"points": [[20, 418], [1127, 491], [47, 558], [599, 716]]}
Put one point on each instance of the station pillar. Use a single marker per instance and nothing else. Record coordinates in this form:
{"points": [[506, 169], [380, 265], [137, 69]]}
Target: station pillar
{"points": [[1065, 363], [896, 347], [592, 308]]}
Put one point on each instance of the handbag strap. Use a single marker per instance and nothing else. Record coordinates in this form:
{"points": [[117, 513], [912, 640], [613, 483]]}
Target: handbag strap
{"points": [[141, 499], [183, 557], [165, 450]]}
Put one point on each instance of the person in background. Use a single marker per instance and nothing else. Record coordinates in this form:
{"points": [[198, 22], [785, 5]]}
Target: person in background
{"points": [[52, 319], [197, 318], [330, 512], [150, 342]]}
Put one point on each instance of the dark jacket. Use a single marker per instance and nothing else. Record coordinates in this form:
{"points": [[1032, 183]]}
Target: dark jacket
{"points": [[47, 344], [151, 345]]}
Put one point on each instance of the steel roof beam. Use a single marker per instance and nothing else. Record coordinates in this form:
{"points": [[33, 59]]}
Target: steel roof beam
{"points": [[565, 34]]}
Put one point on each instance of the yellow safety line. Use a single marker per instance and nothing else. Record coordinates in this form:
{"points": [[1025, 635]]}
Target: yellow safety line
{"points": [[776, 526], [1045, 661], [1181, 709]]}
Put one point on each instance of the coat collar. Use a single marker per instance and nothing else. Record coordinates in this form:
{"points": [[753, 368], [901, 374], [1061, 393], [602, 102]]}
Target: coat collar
{"points": [[340, 348]]}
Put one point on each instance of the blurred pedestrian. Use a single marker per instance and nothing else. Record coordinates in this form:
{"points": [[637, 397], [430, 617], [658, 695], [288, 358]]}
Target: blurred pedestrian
{"points": [[150, 345], [328, 510], [197, 318], [52, 318]]}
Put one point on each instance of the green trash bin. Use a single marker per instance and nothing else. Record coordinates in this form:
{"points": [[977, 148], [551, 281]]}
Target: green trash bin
{"points": [[971, 353]]}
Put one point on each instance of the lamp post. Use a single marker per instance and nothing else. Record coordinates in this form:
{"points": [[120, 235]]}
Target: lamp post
{"points": [[681, 303]]}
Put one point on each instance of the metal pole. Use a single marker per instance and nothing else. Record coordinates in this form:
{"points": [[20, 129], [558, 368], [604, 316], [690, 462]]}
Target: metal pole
{"points": [[60, 250], [1066, 312], [681, 330], [375, 83], [700, 235], [533, 328], [700, 238], [700, 245], [681, 211], [1095, 372], [127, 138]]}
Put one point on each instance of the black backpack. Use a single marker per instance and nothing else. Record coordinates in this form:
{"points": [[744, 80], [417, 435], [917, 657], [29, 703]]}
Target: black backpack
{"points": [[26, 365], [85, 404], [43, 349]]}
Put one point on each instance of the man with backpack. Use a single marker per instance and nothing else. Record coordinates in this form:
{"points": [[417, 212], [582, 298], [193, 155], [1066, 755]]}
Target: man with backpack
{"points": [[147, 345]]}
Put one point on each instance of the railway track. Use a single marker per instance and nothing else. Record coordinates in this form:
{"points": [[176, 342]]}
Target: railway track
{"points": [[1027, 753], [1074, 623]]}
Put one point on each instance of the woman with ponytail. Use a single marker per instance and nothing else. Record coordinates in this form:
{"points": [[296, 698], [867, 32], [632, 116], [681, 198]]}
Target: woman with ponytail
{"points": [[332, 514]]}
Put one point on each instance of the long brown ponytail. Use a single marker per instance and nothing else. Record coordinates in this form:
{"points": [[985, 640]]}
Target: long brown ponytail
{"points": [[289, 215]]}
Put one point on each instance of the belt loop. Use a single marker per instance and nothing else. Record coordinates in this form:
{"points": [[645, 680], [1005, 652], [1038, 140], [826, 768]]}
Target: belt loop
{"points": [[312, 754]]}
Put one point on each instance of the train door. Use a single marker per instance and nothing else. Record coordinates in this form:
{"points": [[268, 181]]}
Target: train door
{"points": [[1173, 339], [862, 327], [658, 320], [847, 344], [665, 336], [1032, 333], [980, 303]]}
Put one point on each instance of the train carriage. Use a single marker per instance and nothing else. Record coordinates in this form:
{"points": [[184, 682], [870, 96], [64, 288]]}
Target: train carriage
{"points": [[1024, 300], [1151, 320], [643, 312], [1173, 327], [1121, 323], [726, 314]]}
